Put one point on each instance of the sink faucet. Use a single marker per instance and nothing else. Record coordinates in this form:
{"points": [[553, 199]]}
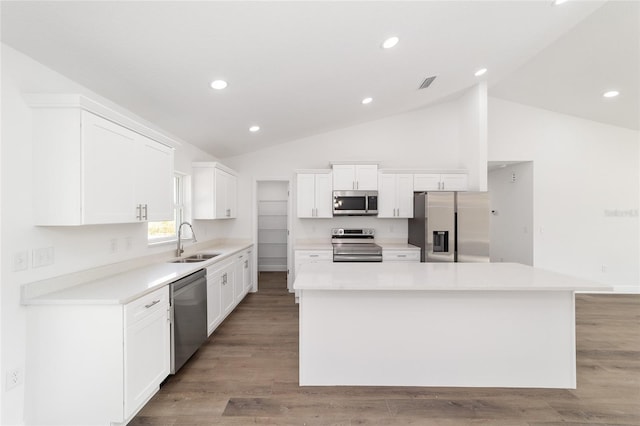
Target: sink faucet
{"points": [[180, 250]]}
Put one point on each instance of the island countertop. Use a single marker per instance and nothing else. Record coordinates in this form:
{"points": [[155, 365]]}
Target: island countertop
{"points": [[437, 277]]}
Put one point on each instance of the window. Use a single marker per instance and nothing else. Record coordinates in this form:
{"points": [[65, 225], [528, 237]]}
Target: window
{"points": [[159, 232]]}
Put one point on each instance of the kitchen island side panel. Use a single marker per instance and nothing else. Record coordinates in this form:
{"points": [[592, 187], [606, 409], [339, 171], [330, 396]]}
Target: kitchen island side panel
{"points": [[437, 338]]}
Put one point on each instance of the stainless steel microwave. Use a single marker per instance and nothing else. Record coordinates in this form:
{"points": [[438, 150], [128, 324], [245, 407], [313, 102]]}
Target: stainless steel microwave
{"points": [[355, 203]]}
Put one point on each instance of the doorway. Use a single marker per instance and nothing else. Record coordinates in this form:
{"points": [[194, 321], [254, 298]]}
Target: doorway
{"points": [[272, 199], [511, 193]]}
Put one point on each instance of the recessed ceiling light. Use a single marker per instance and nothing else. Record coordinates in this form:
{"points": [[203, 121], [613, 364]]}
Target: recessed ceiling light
{"points": [[254, 129], [367, 101], [218, 84], [611, 94], [390, 42], [558, 2], [480, 72]]}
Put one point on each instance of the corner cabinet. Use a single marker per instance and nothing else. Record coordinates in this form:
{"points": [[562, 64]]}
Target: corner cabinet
{"points": [[214, 191], [395, 195], [314, 195], [106, 361], [92, 170]]}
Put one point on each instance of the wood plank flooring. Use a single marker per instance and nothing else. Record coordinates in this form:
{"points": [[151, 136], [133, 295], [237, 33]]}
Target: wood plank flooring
{"points": [[247, 373]]}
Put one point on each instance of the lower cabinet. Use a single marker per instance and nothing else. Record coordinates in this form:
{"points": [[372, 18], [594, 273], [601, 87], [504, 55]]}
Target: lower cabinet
{"points": [[95, 364], [401, 255], [303, 257], [227, 284]]}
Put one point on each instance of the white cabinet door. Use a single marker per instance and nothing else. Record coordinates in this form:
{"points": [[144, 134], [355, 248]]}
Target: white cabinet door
{"points": [[248, 271], [220, 193], [366, 177], [214, 299], [344, 178], [324, 195], [214, 192], [404, 195], [454, 182], [395, 195], [231, 196], [238, 284], [348, 177], [387, 195], [147, 348], [154, 189], [314, 195], [228, 301], [108, 171], [306, 195], [426, 182]]}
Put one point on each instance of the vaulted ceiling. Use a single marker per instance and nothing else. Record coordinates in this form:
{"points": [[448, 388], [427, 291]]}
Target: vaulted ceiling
{"points": [[301, 68]]}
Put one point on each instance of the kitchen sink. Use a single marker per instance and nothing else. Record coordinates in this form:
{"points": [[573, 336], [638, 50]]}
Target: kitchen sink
{"points": [[196, 258]]}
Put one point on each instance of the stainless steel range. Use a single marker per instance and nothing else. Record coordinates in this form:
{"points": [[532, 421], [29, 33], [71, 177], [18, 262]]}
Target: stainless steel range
{"points": [[355, 245]]}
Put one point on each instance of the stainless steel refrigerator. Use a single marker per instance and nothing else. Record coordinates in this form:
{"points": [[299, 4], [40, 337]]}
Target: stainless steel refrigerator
{"points": [[451, 226]]}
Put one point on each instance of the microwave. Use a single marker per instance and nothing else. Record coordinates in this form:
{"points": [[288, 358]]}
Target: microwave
{"points": [[355, 203]]}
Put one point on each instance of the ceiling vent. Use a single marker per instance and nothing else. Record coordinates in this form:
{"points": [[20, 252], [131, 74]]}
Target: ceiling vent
{"points": [[427, 82]]}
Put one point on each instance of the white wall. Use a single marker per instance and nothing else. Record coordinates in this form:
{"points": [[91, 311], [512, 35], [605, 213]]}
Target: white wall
{"points": [[473, 140], [586, 190], [75, 248], [428, 138], [512, 213]]}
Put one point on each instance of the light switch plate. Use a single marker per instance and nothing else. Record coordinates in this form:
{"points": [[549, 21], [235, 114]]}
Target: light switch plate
{"points": [[21, 261], [42, 257]]}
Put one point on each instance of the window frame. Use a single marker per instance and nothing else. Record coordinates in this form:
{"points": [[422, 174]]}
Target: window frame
{"points": [[180, 199]]}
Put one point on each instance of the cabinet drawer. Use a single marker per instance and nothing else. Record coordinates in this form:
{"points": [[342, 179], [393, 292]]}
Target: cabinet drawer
{"points": [[401, 256], [146, 305], [314, 255]]}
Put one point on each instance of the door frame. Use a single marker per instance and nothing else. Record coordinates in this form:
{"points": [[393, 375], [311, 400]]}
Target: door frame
{"points": [[288, 181]]}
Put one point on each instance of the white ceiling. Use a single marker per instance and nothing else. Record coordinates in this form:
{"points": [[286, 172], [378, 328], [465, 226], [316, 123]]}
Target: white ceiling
{"points": [[302, 68]]}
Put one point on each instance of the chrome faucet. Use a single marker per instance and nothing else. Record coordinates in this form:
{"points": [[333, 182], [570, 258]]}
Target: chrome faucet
{"points": [[180, 250]]}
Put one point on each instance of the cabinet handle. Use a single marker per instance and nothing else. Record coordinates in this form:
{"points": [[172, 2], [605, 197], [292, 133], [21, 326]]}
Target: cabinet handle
{"points": [[146, 217], [224, 279], [155, 302], [314, 255], [139, 212], [402, 255], [246, 264]]}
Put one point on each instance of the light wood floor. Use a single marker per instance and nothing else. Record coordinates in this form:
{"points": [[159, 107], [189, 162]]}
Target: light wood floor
{"points": [[247, 373]]}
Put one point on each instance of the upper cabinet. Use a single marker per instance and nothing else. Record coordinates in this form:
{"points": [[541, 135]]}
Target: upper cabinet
{"points": [[314, 195], [92, 170], [214, 191], [347, 177], [440, 182], [395, 195]]}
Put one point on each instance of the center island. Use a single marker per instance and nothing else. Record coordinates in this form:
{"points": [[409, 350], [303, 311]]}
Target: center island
{"points": [[437, 324]]}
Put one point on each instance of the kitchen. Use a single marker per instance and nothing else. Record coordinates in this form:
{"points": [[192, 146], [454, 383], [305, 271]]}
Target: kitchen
{"points": [[514, 129]]}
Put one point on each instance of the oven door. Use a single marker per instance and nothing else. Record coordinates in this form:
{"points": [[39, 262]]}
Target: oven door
{"points": [[354, 203]]}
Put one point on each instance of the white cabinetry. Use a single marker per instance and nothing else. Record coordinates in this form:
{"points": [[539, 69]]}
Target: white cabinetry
{"points": [[90, 170], [219, 293], [243, 271], [347, 177], [395, 195], [314, 195], [440, 182], [401, 255], [303, 257], [214, 191], [105, 360], [146, 348]]}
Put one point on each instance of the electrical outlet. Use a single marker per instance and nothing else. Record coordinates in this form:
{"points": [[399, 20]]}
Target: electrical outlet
{"points": [[42, 257], [20, 261], [14, 378]]}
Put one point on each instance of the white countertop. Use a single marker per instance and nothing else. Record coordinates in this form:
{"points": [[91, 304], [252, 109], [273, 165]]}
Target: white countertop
{"points": [[437, 277], [127, 286], [398, 246]]}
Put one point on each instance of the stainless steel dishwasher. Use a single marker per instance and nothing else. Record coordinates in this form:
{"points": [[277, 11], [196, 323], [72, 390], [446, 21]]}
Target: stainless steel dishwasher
{"points": [[189, 317]]}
